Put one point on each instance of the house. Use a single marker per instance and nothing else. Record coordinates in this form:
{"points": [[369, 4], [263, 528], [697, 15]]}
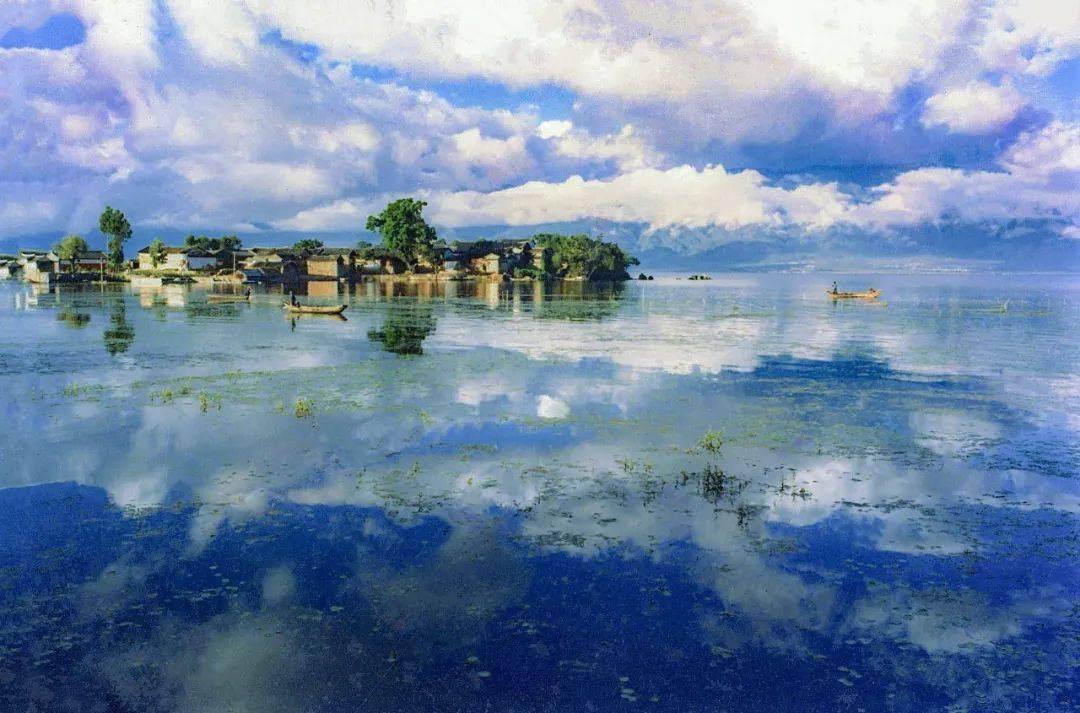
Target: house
{"points": [[332, 263], [232, 259], [193, 259], [86, 261], [283, 263], [380, 261], [497, 257], [326, 266], [38, 269], [253, 275], [491, 264], [180, 259], [9, 266]]}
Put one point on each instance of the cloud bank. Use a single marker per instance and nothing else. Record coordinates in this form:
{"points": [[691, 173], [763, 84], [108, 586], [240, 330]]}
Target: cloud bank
{"points": [[263, 115]]}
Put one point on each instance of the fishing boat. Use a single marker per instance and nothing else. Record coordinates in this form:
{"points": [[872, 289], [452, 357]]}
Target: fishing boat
{"points": [[870, 294], [223, 297], [314, 309]]}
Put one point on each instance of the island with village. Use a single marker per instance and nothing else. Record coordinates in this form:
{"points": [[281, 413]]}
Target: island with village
{"points": [[410, 250]]}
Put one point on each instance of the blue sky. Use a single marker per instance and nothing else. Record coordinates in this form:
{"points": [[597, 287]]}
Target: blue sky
{"points": [[683, 127]]}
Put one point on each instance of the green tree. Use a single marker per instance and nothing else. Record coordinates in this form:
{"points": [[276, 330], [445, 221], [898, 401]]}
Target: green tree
{"points": [[231, 242], [311, 244], [202, 242], [404, 231], [157, 252], [584, 257], [70, 248], [114, 224]]}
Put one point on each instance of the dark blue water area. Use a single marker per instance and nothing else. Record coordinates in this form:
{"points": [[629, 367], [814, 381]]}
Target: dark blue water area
{"points": [[338, 608]]}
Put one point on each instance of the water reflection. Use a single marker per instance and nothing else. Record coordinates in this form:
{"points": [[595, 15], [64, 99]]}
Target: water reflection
{"points": [[120, 334], [405, 329], [666, 505], [73, 318]]}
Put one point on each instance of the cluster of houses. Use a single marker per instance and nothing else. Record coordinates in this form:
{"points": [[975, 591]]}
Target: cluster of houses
{"points": [[488, 258], [46, 265], [492, 258]]}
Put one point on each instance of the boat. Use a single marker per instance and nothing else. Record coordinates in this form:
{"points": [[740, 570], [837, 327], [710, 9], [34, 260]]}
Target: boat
{"points": [[314, 309], [224, 297], [870, 294]]}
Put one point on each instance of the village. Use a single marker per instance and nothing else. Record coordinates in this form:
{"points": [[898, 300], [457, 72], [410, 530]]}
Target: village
{"points": [[307, 261], [410, 250]]}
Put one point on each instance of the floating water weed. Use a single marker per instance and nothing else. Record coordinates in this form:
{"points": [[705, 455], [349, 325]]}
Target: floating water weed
{"points": [[303, 408], [711, 442], [206, 401]]}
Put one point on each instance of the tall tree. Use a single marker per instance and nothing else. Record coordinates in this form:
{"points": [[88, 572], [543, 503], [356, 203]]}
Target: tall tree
{"points": [[70, 248], [231, 242], [157, 252], [307, 244], [404, 230], [114, 224]]}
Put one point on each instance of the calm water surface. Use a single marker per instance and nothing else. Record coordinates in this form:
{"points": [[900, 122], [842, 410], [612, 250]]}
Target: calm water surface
{"points": [[670, 496]]}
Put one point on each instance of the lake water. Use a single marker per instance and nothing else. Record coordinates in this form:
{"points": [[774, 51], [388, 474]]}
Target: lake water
{"points": [[730, 495]]}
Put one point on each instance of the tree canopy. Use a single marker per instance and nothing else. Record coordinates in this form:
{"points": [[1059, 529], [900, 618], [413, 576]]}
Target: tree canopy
{"points": [[157, 252], [70, 248], [114, 224], [404, 230], [582, 256], [307, 244], [225, 242]]}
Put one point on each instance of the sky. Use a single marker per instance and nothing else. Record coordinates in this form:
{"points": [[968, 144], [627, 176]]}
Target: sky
{"points": [[952, 126]]}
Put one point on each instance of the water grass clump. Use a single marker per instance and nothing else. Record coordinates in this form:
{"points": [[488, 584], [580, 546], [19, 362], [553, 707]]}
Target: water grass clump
{"points": [[206, 401], [711, 442], [303, 407]]}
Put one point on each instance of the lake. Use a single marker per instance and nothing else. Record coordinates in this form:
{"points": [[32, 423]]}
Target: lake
{"points": [[727, 495]]}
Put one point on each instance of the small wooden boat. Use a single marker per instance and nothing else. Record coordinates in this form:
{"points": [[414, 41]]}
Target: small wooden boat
{"points": [[870, 294], [224, 297], [315, 309]]}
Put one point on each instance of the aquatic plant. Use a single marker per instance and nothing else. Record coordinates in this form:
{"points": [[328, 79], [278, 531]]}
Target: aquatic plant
{"points": [[303, 407], [206, 401], [712, 483], [711, 442]]}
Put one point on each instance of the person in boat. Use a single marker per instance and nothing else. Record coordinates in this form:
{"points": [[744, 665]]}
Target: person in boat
{"points": [[247, 293], [834, 290], [292, 299]]}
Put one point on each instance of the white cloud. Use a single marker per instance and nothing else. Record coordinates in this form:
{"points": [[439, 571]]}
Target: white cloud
{"points": [[28, 215], [678, 196], [1029, 37], [352, 135], [1042, 170], [279, 180], [975, 108], [208, 120], [342, 214], [221, 32], [496, 159], [626, 149]]}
